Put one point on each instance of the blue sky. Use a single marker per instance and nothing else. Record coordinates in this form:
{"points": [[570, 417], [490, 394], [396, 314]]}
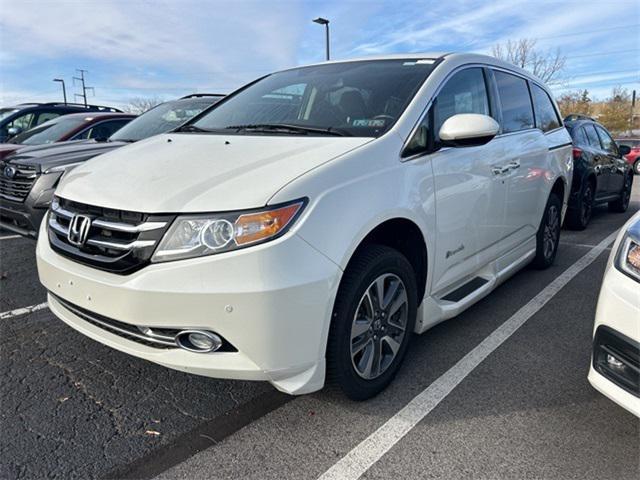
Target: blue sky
{"points": [[145, 48]]}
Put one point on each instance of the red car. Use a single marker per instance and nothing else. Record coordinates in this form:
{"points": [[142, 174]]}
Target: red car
{"points": [[634, 156], [75, 126]]}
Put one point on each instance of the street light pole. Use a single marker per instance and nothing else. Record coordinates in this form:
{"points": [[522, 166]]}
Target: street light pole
{"points": [[64, 89], [325, 22]]}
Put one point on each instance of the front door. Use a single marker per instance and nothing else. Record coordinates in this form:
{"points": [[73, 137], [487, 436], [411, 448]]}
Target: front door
{"points": [[470, 196]]}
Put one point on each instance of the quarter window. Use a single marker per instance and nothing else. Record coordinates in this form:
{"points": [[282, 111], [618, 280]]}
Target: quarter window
{"points": [[579, 138], [517, 111], [465, 92], [546, 116], [592, 136]]}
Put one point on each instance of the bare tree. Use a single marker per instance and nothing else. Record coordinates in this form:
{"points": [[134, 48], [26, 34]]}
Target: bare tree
{"points": [[142, 104], [546, 65], [575, 102]]}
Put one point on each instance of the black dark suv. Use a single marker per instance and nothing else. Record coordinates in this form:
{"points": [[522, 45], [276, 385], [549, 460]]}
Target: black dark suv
{"points": [[600, 173], [14, 120]]}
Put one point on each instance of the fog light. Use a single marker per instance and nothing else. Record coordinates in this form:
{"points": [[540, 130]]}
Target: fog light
{"points": [[614, 362], [199, 341]]}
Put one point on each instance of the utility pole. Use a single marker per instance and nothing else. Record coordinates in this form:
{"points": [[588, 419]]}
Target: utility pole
{"points": [[84, 87], [633, 105], [64, 89], [325, 22]]}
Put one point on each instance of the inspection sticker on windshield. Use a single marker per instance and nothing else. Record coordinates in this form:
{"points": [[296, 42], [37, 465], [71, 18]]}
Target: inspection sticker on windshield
{"points": [[366, 122]]}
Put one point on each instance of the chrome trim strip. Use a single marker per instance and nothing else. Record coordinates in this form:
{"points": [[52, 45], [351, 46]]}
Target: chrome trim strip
{"points": [[53, 223], [123, 227], [108, 326], [121, 246], [119, 227]]}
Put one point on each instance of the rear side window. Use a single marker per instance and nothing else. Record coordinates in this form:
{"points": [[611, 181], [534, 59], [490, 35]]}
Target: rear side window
{"points": [[546, 116], [464, 92], [579, 138], [102, 130], [607, 142], [517, 112], [592, 136]]}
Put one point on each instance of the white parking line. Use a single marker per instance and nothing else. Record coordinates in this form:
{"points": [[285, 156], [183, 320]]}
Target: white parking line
{"points": [[9, 237], [370, 450], [22, 311]]}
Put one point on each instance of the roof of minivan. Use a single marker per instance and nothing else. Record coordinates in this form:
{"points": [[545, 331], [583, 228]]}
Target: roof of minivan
{"points": [[444, 56]]}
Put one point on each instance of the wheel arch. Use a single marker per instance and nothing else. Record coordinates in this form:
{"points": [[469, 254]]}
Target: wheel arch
{"points": [[405, 236]]}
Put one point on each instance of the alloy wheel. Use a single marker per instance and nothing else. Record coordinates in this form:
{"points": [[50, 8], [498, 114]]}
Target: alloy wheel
{"points": [[551, 231], [586, 208], [379, 326]]}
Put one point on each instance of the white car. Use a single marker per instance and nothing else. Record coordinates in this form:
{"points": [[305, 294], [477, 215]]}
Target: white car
{"points": [[310, 222], [615, 363]]}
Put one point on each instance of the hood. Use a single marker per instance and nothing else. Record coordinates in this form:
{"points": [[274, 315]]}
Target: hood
{"points": [[7, 149], [54, 154], [174, 173]]}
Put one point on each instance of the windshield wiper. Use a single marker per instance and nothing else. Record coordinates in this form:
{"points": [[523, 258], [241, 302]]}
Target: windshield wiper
{"points": [[193, 129], [289, 128]]}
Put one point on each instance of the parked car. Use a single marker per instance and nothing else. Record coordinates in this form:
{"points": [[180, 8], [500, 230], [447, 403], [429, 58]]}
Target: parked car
{"points": [[75, 126], [311, 221], [29, 177], [615, 363], [600, 175], [23, 117], [633, 157]]}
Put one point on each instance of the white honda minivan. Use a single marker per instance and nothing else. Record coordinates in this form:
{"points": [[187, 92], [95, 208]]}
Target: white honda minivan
{"points": [[303, 228]]}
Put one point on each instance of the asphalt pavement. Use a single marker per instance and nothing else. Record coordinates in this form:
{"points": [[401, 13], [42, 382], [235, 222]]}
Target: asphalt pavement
{"points": [[73, 408]]}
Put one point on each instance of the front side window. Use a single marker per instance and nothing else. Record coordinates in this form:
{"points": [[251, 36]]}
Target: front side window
{"points": [[607, 142], [22, 123], [464, 92], [102, 130], [46, 116], [592, 137], [363, 98], [546, 116], [517, 112]]}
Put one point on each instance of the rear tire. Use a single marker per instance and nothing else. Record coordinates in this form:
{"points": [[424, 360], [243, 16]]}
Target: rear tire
{"points": [[368, 338], [636, 167], [548, 236], [621, 204], [579, 218]]}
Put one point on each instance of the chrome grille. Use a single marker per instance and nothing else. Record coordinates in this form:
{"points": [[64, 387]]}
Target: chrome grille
{"points": [[16, 187], [117, 240]]}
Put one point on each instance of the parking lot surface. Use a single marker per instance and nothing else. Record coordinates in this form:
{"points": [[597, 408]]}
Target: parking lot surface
{"points": [[514, 406]]}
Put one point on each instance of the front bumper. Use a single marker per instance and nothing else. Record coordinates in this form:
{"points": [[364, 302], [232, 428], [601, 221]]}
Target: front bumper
{"points": [[272, 302], [618, 312]]}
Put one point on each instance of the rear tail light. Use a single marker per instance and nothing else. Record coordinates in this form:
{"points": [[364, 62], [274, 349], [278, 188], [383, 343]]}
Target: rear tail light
{"points": [[577, 153]]}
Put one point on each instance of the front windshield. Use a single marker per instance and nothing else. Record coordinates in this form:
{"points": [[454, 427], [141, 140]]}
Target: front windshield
{"points": [[6, 112], [163, 118], [362, 98], [49, 132]]}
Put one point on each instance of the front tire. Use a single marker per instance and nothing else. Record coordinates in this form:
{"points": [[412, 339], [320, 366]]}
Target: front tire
{"points": [[548, 236], [372, 323], [636, 167]]}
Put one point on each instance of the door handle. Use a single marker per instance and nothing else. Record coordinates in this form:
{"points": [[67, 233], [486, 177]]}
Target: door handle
{"points": [[513, 165]]}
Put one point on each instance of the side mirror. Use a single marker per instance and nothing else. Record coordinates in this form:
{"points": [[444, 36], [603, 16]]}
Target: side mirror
{"points": [[624, 150], [13, 131], [468, 130]]}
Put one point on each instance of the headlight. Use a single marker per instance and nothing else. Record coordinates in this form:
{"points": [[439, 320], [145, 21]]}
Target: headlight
{"points": [[628, 257], [197, 235]]}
